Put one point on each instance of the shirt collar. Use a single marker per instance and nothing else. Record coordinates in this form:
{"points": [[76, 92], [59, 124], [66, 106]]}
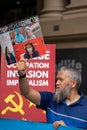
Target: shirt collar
{"points": [[80, 101]]}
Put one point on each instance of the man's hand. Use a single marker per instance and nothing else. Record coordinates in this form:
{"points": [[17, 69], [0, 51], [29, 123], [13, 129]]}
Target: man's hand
{"points": [[22, 65], [56, 124]]}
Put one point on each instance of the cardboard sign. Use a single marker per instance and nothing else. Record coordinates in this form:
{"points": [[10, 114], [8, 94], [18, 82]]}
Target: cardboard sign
{"points": [[22, 39]]}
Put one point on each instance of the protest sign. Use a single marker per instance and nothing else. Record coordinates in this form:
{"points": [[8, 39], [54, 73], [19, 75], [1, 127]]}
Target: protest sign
{"points": [[40, 75], [22, 39]]}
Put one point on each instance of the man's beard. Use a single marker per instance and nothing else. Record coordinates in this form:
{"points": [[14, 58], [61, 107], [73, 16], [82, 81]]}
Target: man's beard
{"points": [[62, 94]]}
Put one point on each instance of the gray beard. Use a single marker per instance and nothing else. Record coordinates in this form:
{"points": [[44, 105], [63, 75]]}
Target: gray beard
{"points": [[61, 95]]}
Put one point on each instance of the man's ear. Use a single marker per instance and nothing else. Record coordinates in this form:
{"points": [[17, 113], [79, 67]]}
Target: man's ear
{"points": [[74, 83]]}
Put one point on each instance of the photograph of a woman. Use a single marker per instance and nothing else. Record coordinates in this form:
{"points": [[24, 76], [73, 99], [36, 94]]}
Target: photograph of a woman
{"points": [[10, 58], [30, 51]]}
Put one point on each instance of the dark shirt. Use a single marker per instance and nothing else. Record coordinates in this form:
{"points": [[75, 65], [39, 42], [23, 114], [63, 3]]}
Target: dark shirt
{"points": [[35, 54], [74, 115]]}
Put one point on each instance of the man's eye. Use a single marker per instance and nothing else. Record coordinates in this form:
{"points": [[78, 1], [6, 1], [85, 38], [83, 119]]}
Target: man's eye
{"points": [[59, 79]]}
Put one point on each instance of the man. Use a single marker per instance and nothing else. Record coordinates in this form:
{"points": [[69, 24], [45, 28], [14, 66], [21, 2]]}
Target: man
{"points": [[66, 107]]}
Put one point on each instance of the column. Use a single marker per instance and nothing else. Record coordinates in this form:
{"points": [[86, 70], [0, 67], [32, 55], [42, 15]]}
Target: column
{"points": [[52, 8]]}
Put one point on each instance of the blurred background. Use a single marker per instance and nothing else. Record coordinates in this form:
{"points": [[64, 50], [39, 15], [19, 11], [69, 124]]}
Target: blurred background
{"points": [[12, 10]]}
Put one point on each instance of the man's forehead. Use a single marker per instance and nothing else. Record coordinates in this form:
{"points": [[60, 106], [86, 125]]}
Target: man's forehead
{"points": [[62, 73]]}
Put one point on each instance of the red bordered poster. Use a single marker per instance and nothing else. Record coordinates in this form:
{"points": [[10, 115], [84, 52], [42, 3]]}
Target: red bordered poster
{"points": [[40, 75]]}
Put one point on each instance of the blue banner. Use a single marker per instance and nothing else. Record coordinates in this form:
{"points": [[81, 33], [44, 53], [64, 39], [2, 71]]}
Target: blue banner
{"points": [[11, 124]]}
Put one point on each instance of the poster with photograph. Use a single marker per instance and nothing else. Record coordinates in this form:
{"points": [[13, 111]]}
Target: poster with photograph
{"points": [[22, 39], [41, 77]]}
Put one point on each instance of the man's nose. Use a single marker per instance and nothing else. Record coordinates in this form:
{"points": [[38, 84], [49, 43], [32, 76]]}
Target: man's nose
{"points": [[57, 81]]}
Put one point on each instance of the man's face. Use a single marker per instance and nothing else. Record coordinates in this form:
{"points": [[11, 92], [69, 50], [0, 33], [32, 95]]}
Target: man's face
{"points": [[63, 80], [63, 86]]}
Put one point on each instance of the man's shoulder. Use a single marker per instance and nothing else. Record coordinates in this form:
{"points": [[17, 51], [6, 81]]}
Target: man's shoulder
{"points": [[83, 99], [47, 94]]}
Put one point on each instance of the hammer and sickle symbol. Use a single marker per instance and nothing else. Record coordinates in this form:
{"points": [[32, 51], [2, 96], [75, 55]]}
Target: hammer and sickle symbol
{"points": [[16, 106]]}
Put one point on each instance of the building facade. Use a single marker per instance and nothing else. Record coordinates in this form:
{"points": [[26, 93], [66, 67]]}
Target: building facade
{"points": [[63, 22]]}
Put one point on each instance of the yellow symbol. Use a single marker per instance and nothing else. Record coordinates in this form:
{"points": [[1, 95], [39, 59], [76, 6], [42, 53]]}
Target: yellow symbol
{"points": [[31, 104], [16, 106], [44, 112]]}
